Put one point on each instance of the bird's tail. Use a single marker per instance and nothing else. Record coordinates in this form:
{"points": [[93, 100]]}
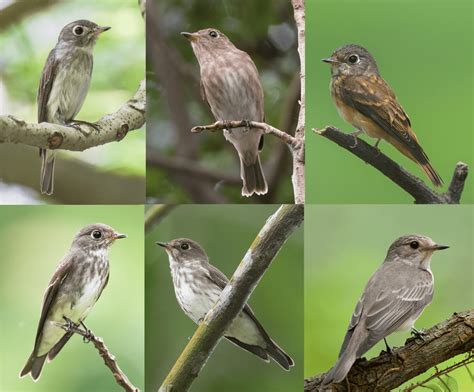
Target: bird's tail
{"points": [[253, 178], [280, 357], [340, 369], [432, 174], [47, 171], [34, 365]]}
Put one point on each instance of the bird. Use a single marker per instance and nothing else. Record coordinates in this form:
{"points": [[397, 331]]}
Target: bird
{"points": [[393, 299], [230, 84], [64, 85], [74, 288], [365, 100], [198, 285]]}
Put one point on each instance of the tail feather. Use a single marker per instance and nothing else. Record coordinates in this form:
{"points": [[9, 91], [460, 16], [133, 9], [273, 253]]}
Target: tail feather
{"points": [[280, 357], [34, 365], [47, 171], [253, 178], [432, 174], [339, 370]]}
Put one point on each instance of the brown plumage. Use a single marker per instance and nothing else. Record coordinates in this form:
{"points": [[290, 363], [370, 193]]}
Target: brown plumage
{"points": [[365, 100]]}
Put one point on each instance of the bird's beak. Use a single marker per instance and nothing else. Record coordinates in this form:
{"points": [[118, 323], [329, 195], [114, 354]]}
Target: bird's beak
{"points": [[190, 36], [164, 245], [100, 29], [330, 60], [118, 236], [439, 247]]}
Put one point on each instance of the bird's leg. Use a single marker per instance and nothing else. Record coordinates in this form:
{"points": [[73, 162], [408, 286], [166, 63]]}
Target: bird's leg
{"points": [[76, 125], [387, 347], [88, 335], [355, 135], [418, 333], [70, 326]]}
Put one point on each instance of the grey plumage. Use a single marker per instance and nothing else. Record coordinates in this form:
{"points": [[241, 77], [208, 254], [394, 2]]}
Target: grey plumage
{"points": [[393, 299], [198, 285], [74, 288], [64, 84]]}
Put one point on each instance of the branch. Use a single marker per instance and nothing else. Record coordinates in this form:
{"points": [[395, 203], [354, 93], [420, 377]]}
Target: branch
{"points": [[155, 214], [107, 356], [112, 127], [234, 297], [387, 371], [19, 10], [405, 180]]}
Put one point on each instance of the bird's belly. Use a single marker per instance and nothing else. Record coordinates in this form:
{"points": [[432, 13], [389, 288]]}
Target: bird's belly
{"points": [[196, 302], [244, 329]]}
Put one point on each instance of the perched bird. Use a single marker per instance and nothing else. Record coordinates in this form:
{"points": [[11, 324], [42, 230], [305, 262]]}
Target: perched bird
{"points": [[366, 101], [231, 86], [198, 285], [74, 288], [64, 84], [393, 299]]}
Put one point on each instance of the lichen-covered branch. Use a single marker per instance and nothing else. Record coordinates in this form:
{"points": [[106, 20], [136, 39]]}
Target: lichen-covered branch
{"points": [[110, 128], [256, 261], [388, 371], [107, 356], [405, 180]]}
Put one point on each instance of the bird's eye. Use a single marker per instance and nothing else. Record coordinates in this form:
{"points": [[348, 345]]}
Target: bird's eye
{"points": [[414, 244], [78, 30], [96, 234], [353, 59], [184, 246], [213, 34]]}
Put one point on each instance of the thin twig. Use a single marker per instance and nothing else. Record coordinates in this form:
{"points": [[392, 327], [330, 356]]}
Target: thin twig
{"points": [[113, 127], [405, 180], [107, 356], [443, 341], [256, 261]]}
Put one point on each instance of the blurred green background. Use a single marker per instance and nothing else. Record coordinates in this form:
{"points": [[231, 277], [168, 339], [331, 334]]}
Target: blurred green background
{"points": [[119, 65], [265, 29], [424, 50], [225, 232], [33, 240], [340, 259]]}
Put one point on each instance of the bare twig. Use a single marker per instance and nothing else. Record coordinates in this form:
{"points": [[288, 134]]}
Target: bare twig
{"points": [[107, 356], [113, 127], [405, 180], [19, 10], [387, 371], [234, 297], [155, 215]]}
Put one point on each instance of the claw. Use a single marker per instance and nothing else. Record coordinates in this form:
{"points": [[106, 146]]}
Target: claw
{"points": [[77, 123], [355, 135]]}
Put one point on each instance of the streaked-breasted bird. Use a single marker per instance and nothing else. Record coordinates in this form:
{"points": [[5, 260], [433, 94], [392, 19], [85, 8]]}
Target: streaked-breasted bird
{"points": [[198, 285], [365, 100], [64, 84], [393, 299], [75, 287], [231, 86]]}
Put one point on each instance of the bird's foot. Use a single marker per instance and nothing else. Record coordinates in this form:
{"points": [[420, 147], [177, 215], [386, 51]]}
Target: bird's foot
{"points": [[388, 349], [247, 125], [418, 333], [227, 126], [70, 325], [88, 336], [76, 124], [356, 140], [19, 122]]}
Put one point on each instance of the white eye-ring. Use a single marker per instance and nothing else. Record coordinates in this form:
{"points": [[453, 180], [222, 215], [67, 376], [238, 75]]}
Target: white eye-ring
{"points": [[96, 234], [78, 30], [353, 59]]}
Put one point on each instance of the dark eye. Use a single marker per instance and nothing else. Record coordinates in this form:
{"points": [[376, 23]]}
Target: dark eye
{"points": [[96, 234], [78, 30], [213, 34], [184, 246], [353, 58], [414, 244]]}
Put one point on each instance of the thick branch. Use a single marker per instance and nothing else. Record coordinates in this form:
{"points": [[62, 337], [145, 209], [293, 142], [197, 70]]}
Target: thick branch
{"points": [[405, 180], [254, 264], [298, 177], [107, 356], [388, 371], [155, 214], [112, 127], [19, 10]]}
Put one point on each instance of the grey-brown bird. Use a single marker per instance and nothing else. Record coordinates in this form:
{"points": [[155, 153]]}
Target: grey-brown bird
{"points": [[365, 100], [393, 299], [75, 287], [64, 84], [198, 285], [231, 86]]}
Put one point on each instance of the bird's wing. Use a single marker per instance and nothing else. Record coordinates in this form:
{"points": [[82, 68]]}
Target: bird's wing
{"points": [[392, 308], [353, 323], [51, 292], [46, 83], [374, 98]]}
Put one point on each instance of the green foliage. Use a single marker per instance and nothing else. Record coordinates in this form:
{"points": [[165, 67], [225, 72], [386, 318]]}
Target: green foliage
{"points": [[33, 240], [417, 46], [226, 233]]}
